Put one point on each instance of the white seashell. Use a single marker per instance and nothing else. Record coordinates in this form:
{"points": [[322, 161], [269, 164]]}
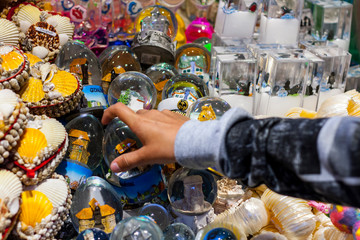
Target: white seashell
{"points": [[40, 52], [10, 185], [63, 25], [45, 70], [9, 97], [334, 106], [29, 13], [331, 233], [54, 132], [265, 235], [6, 109], [63, 38], [9, 33], [6, 49], [52, 21], [55, 189], [24, 26]]}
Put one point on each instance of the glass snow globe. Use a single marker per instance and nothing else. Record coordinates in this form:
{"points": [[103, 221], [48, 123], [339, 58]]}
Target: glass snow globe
{"points": [[134, 89], [178, 231], [181, 91], [116, 62], [77, 58], [93, 233], [192, 192], [161, 73], [137, 228], [95, 205], [208, 108], [158, 213]]}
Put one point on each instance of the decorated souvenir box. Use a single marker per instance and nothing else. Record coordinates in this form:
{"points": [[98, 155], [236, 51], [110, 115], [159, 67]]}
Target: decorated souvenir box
{"points": [[280, 21], [332, 21], [282, 82], [236, 77], [337, 62], [218, 40]]}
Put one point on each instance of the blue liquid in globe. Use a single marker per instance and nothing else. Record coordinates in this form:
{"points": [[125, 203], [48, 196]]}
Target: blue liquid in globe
{"points": [[220, 234]]}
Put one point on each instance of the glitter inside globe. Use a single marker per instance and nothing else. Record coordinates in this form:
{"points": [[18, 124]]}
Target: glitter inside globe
{"points": [[178, 231], [207, 108], [220, 234], [161, 73], [85, 135], [137, 228], [134, 89], [192, 192], [158, 18], [193, 58], [92, 233], [95, 204], [156, 212], [80, 60], [116, 62]]}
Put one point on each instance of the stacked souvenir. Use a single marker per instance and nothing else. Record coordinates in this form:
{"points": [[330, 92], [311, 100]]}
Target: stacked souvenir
{"points": [[55, 156]]}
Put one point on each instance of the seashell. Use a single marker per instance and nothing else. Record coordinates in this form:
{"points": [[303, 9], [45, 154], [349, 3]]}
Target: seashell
{"points": [[65, 83], [47, 37], [334, 106], [9, 33], [63, 38], [292, 216], [264, 235], [10, 185], [62, 25], [353, 108], [45, 70], [12, 61], [8, 97], [40, 52], [35, 207], [29, 13], [355, 95], [331, 233], [55, 189], [33, 59], [24, 26], [298, 112], [33, 91], [54, 132], [31, 143]]}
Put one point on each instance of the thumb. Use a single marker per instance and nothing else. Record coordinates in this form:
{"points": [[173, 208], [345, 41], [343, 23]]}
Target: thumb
{"points": [[127, 161]]}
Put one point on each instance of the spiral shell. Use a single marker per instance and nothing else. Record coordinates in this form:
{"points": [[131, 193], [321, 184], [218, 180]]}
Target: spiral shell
{"points": [[29, 13], [54, 132], [9, 33], [32, 142], [331, 233], [292, 216]]}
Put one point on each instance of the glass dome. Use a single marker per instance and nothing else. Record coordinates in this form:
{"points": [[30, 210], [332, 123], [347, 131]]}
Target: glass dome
{"points": [[158, 18], [92, 233], [116, 62], [134, 89], [95, 204], [80, 60], [161, 73], [137, 228], [156, 212], [178, 231], [192, 192], [208, 108], [85, 134]]}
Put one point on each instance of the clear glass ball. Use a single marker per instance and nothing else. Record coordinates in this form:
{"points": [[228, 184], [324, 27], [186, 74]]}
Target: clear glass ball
{"points": [[156, 212], [158, 18], [77, 58], [220, 234], [93, 233], [192, 192], [134, 89], [137, 228], [178, 231], [208, 108], [85, 134], [95, 203]]}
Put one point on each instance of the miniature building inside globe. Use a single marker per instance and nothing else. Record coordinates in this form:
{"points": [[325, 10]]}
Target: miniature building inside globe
{"points": [[80, 67], [102, 217], [79, 141], [156, 21]]}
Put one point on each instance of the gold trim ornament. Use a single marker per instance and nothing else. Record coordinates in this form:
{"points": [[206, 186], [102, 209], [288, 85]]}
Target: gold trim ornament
{"points": [[13, 119]]}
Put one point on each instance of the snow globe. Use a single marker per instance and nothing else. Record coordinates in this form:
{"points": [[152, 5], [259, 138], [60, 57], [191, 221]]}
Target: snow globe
{"points": [[156, 28], [93, 233], [137, 228], [161, 73], [178, 231], [158, 213], [219, 233], [181, 91], [208, 108], [116, 62], [134, 89], [138, 185], [95, 205], [84, 153], [80, 60]]}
